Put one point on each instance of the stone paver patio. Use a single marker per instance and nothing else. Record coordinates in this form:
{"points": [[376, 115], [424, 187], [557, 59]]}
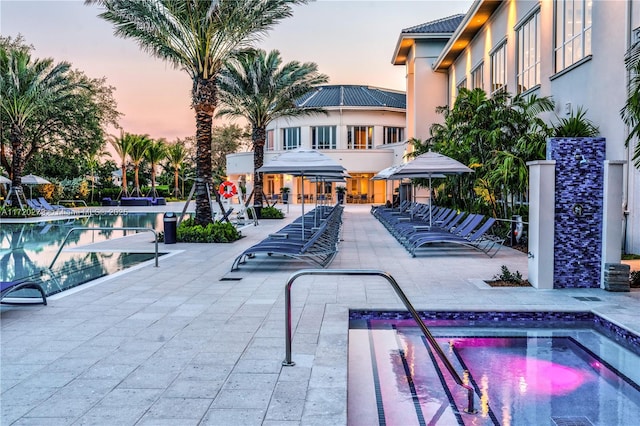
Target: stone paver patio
{"points": [[188, 343]]}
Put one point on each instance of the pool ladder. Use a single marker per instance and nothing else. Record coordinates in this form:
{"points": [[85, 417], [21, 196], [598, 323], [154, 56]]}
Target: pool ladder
{"points": [[372, 272]]}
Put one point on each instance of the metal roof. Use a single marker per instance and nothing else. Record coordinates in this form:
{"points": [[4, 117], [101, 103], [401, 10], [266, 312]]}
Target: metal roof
{"points": [[441, 29], [442, 25], [353, 96]]}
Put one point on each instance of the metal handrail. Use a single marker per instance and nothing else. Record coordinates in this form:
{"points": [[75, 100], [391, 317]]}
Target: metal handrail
{"points": [[372, 272], [104, 228], [73, 202]]}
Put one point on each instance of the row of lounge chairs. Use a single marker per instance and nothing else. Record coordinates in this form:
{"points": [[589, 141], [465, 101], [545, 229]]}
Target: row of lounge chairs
{"points": [[315, 242], [419, 226], [42, 205]]}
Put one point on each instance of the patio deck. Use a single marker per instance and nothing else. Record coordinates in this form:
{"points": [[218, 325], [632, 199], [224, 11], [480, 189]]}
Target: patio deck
{"points": [[188, 343]]}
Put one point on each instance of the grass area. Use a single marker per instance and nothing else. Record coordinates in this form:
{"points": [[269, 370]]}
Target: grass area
{"points": [[630, 256]]}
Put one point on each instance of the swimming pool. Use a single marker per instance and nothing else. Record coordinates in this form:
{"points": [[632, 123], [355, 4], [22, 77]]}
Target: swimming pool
{"points": [[526, 369], [26, 249]]}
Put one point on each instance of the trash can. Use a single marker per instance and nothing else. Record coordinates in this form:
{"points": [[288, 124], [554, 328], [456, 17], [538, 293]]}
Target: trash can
{"points": [[170, 224]]}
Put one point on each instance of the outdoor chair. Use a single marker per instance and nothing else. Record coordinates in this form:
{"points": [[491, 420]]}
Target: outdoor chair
{"points": [[478, 240], [34, 204], [7, 287], [55, 207]]}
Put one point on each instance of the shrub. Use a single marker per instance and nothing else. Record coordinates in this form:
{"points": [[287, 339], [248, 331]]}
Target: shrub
{"points": [[509, 277], [271, 213], [218, 232]]}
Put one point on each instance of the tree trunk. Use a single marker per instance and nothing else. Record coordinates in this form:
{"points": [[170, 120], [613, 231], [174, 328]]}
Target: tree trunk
{"points": [[259, 136], [176, 184], [136, 181], [125, 191], [154, 194], [17, 163], [204, 103]]}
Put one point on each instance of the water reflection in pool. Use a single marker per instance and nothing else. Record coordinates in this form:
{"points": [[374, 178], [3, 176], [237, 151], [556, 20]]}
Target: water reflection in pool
{"points": [[26, 249]]}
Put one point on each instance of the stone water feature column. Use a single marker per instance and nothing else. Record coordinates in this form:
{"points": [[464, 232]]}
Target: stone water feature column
{"points": [[575, 214], [579, 180]]}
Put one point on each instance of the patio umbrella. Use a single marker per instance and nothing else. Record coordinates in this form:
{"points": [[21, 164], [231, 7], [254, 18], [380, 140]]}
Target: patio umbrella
{"points": [[4, 180], [33, 180], [430, 165], [303, 162]]}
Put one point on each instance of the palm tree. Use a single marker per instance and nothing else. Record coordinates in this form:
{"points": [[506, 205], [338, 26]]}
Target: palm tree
{"points": [[139, 146], [197, 36], [29, 89], [92, 161], [122, 147], [176, 154], [630, 113], [156, 152], [258, 87]]}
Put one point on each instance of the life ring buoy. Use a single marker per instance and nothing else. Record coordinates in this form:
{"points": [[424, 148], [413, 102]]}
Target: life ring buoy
{"points": [[227, 189]]}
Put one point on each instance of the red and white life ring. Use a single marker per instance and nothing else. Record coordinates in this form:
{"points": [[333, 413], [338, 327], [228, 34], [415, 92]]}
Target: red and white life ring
{"points": [[227, 189]]}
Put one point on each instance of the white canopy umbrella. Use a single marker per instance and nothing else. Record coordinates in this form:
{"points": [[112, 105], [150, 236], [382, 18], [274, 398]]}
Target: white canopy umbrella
{"points": [[430, 165], [33, 180], [385, 174], [4, 180], [303, 162]]}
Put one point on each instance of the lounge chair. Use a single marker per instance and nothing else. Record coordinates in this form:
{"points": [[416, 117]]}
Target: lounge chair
{"points": [[34, 204], [478, 240], [55, 207], [7, 287]]}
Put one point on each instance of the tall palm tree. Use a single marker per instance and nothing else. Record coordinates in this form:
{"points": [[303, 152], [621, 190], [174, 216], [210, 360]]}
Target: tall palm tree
{"points": [[92, 162], [197, 36], [630, 113], [176, 155], [29, 89], [139, 146], [122, 147], [258, 87], [156, 152]]}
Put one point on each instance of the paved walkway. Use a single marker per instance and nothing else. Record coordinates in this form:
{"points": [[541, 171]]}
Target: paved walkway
{"points": [[188, 343]]}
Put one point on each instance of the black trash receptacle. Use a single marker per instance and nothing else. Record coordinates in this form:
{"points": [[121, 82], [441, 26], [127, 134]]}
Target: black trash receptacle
{"points": [[170, 228]]}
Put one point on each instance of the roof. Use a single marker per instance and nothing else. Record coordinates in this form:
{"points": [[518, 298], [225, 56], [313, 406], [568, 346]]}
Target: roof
{"points": [[442, 25], [478, 14], [440, 29], [353, 96]]}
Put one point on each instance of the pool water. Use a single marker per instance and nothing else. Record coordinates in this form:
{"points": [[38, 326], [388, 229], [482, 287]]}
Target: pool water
{"points": [[565, 375], [27, 249]]}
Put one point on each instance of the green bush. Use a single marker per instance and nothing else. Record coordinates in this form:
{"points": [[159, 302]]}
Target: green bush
{"points": [[508, 276], [218, 232], [271, 213]]}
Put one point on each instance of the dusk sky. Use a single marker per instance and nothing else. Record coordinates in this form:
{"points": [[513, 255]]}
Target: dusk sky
{"points": [[351, 41]]}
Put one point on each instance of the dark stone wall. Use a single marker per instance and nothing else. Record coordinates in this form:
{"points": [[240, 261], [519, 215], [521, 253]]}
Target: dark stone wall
{"points": [[578, 210]]}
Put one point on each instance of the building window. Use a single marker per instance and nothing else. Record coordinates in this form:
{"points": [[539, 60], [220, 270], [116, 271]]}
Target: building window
{"points": [[573, 31], [323, 137], [477, 77], [291, 138], [499, 68], [360, 137], [529, 53], [393, 134], [269, 144], [462, 85]]}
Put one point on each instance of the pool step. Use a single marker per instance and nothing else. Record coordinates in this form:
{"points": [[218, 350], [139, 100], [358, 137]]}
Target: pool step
{"points": [[571, 421]]}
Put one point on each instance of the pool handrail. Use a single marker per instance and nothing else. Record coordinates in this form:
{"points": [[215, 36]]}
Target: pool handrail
{"points": [[83, 202], [373, 272], [106, 228]]}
